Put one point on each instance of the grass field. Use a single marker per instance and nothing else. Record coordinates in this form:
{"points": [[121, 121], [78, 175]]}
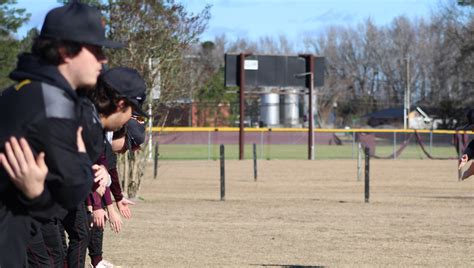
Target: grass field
{"points": [[284, 151], [299, 214]]}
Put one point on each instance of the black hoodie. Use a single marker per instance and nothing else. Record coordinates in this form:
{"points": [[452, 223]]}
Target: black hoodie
{"points": [[43, 108]]}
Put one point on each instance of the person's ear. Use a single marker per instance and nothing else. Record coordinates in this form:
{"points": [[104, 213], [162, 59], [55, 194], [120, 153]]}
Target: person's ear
{"points": [[63, 55], [121, 105]]}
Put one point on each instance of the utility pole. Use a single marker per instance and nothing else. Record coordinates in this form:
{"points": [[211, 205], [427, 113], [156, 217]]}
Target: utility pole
{"points": [[406, 103], [150, 113], [310, 85]]}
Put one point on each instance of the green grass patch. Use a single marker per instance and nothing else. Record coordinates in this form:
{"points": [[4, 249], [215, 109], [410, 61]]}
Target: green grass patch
{"points": [[286, 151]]}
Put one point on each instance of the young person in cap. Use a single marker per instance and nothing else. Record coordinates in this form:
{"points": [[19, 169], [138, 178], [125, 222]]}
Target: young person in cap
{"points": [[118, 93], [129, 138], [66, 56]]}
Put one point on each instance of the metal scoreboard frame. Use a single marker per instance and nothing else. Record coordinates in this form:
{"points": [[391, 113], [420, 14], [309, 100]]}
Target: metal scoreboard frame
{"points": [[283, 71], [272, 70]]}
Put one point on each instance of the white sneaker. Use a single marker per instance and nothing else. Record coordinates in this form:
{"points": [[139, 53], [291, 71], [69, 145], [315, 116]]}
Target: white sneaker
{"points": [[104, 264]]}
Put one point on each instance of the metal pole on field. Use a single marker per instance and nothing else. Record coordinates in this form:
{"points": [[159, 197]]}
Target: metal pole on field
{"points": [[155, 169], [431, 140], [310, 85], [394, 145], [209, 145], [222, 172], [241, 105], [367, 175], [150, 115], [255, 162], [359, 161], [406, 103], [150, 125], [311, 113], [353, 143]]}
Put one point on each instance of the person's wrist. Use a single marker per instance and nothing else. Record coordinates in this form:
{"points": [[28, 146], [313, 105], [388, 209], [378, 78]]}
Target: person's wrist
{"points": [[34, 192]]}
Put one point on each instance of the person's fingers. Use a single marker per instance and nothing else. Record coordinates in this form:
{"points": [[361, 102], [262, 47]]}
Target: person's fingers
{"points": [[41, 163], [100, 222], [6, 165], [28, 154], [19, 154], [126, 214], [12, 159], [123, 212], [119, 226], [99, 172]]}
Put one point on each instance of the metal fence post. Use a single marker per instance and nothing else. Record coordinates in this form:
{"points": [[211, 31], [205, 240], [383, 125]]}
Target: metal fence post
{"points": [[353, 144], [359, 161], [222, 158], [431, 140], [394, 145], [155, 166], [254, 161], [367, 175], [209, 145]]}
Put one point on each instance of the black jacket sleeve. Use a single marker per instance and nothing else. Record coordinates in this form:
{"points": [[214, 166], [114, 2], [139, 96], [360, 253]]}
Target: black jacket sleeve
{"points": [[69, 178], [469, 150]]}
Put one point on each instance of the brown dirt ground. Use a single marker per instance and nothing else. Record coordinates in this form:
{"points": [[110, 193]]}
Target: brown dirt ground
{"points": [[299, 213]]}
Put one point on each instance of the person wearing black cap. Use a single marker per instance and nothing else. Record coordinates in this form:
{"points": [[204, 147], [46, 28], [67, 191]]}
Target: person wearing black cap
{"points": [[114, 103], [129, 138], [128, 87], [43, 107]]}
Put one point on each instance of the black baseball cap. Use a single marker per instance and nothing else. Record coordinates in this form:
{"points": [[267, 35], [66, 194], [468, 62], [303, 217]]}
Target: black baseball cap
{"points": [[129, 84], [135, 133], [77, 22], [470, 120]]}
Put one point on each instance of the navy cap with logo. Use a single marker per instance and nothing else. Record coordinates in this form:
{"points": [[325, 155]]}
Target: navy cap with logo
{"points": [[129, 84], [77, 22]]}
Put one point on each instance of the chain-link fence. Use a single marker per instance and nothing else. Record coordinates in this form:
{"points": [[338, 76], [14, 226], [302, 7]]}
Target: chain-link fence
{"points": [[284, 143]]}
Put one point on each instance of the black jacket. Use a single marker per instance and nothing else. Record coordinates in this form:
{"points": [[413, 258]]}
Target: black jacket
{"points": [[43, 108], [469, 150]]}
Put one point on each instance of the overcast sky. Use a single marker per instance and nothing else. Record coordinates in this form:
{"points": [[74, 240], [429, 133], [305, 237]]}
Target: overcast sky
{"points": [[257, 18]]}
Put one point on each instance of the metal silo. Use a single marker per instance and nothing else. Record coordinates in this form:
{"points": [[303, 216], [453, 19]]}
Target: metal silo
{"points": [[269, 109], [290, 117]]}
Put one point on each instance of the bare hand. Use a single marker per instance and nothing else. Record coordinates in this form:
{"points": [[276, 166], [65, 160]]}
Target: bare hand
{"points": [[114, 218], [27, 173], [101, 175], [463, 161], [123, 207], [100, 190], [99, 218]]}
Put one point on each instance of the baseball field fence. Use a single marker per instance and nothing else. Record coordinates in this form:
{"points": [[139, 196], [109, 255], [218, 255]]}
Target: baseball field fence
{"points": [[200, 143]]}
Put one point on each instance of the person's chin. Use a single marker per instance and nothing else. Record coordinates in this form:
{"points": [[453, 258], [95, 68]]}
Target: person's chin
{"points": [[90, 84], [113, 129]]}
